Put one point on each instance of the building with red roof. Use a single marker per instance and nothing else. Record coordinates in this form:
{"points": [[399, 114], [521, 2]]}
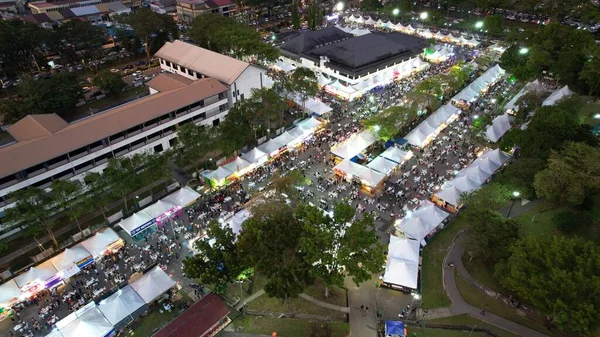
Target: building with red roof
{"points": [[205, 318]]}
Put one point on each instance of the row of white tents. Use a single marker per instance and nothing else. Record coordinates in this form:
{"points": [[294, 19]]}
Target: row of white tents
{"points": [[425, 33], [314, 105], [117, 310], [440, 53], [354, 145], [471, 177], [429, 128], [260, 155]]}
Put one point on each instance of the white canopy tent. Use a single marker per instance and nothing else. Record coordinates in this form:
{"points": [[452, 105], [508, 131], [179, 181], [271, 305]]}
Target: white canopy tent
{"points": [[370, 21], [235, 222], [90, 323], [98, 243], [441, 54], [367, 175], [69, 258], [382, 165], [360, 19], [183, 196], [135, 221], [499, 126], [471, 177], [529, 87], [422, 221], [158, 208], [39, 273], [396, 155], [9, 290], [360, 32], [291, 137], [402, 273], [152, 284], [121, 307], [219, 174], [255, 156], [316, 106], [355, 144], [402, 266], [556, 96], [268, 82], [379, 23], [283, 66], [271, 146], [310, 124], [424, 132], [344, 29]]}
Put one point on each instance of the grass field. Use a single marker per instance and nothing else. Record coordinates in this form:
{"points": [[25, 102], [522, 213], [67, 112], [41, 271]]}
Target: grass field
{"points": [[287, 327], [480, 299], [466, 319], [442, 332], [337, 296], [434, 295], [293, 306]]}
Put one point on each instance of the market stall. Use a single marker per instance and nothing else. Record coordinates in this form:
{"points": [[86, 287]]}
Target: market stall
{"points": [[272, 147], [283, 66], [556, 96], [402, 265], [38, 278], [500, 125], [218, 177], [394, 329], [396, 155], [163, 211], [9, 295], [89, 323], [122, 307], [255, 157], [139, 225], [103, 242], [292, 138], [152, 284], [369, 178], [183, 197], [354, 145], [432, 126], [382, 165], [71, 260], [421, 222]]}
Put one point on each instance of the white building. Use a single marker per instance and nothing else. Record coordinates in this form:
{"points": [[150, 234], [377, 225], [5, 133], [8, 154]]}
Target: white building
{"points": [[47, 148], [195, 62]]}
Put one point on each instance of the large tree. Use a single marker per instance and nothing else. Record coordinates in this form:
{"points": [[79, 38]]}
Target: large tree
{"points": [[33, 208], [21, 45], [64, 193], [97, 187], [303, 82], [571, 174], [558, 276], [77, 40], [338, 246], [491, 234], [217, 261], [59, 94], [269, 242], [194, 142], [109, 82], [153, 29]]}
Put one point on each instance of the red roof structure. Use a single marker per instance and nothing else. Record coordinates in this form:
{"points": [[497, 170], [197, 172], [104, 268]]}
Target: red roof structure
{"points": [[200, 320]]}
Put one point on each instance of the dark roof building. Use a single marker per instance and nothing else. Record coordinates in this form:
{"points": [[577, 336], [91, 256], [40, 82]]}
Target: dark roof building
{"points": [[204, 318], [352, 55]]}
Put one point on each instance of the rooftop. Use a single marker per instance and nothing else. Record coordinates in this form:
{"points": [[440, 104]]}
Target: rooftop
{"points": [[168, 82], [221, 67], [44, 137], [354, 55], [198, 319]]}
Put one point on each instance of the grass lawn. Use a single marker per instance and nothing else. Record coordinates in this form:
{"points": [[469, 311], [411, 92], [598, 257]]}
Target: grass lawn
{"points": [[434, 295], [287, 327], [483, 273], [588, 111], [479, 299], [293, 306], [337, 296], [538, 220], [153, 321], [466, 319]]}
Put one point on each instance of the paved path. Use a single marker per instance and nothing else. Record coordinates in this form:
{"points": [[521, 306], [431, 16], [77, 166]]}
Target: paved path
{"points": [[459, 306], [249, 299], [324, 304], [362, 324], [239, 334]]}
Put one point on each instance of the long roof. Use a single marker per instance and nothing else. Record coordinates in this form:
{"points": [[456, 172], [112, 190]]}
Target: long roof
{"points": [[197, 320], [224, 68], [24, 154]]}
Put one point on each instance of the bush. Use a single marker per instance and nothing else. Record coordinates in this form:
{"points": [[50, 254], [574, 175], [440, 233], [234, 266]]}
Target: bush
{"points": [[565, 221]]}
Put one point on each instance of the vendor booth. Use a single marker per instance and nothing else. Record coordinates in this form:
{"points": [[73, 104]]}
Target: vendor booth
{"points": [[439, 53], [292, 138], [38, 278], [139, 225], [422, 135], [272, 147], [500, 125], [89, 323], [183, 197], [9, 295], [122, 307], [218, 177], [105, 241], [238, 166], [369, 178], [402, 266], [421, 222], [469, 179], [556, 96], [235, 222], [71, 260], [163, 211], [152, 284], [255, 157], [283, 66], [354, 145], [396, 155], [534, 86], [382, 165]]}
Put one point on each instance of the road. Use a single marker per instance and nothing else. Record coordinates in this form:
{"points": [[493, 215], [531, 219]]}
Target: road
{"points": [[152, 71]]}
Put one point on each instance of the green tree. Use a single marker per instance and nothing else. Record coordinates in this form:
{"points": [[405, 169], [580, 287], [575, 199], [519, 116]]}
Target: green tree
{"points": [[97, 187], [570, 175], [490, 235], [64, 194], [272, 106], [109, 82], [387, 124], [33, 207], [295, 15], [337, 247], [59, 94], [13, 110], [234, 132], [217, 261], [494, 24], [520, 174], [269, 242], [194, 142], [303, 82], [121, 175], [370, 5], [314, 14], [558, 276], [152, 28], [21, 44], [488, 197], [77, 40], [287, 183], [526, 104]]}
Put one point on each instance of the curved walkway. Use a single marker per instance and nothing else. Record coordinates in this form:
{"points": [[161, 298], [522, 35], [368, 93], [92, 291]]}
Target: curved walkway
{"points": [[459, 306], [324, 304]]}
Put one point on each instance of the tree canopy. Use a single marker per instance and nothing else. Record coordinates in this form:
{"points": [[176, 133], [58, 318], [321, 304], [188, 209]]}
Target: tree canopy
{"points": [[109, 82], [491, 234], [558, 276]]}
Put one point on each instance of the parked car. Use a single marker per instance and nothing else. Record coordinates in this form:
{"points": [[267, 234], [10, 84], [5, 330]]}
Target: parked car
{"points": [[149, 77], [114, 70], [127, 67], [140, 63]]}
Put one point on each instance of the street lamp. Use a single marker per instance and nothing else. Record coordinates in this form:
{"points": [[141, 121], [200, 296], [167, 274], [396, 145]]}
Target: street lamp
{"points": [[376, 128], [515, 195], [339, 6], [396, 11], [597, 116], [423, 15], [479, 24], [523, 50]]}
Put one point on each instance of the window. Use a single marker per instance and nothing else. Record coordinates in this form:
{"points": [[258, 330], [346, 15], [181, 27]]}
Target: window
{"points": [[158, 148], [169, 64], [43, 183], [216, 122]]}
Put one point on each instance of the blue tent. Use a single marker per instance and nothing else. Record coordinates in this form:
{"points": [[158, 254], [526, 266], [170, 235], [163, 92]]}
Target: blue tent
{"points": [[394, 329]]}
